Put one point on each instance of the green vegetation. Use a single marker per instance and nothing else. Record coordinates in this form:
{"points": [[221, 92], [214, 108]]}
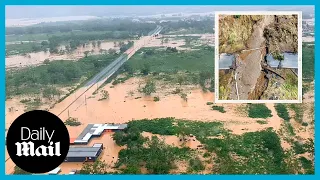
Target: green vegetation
{"points": [[32, 104], [72, 122], [277, 56], [176, 67], [195, 165], [51, 92], [290, 128], [308, 63], [24, 48], [184, 96], [156, 98], [105, 95], [32, 80], [164, 61], [258, 111], [98, 167], [209, 103], [262, 122], [219, 108], [251, 153], [19, 171], [282, 111], [204, 25], [307, 165], [301, 148], [298, 112], [149, 88]]}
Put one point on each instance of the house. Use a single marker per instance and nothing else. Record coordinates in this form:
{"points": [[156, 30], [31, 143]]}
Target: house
{"points": [[84, 154], [96, 130]]}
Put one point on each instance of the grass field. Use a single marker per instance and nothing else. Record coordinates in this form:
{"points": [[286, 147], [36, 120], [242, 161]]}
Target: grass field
{"points": [[171, 62]]}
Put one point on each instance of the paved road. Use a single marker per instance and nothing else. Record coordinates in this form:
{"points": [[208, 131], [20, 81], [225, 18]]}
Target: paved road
{"points": [[78, 98]]}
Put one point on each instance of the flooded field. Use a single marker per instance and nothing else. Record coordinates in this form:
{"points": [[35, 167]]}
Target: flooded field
{"points": [[39, 57]]}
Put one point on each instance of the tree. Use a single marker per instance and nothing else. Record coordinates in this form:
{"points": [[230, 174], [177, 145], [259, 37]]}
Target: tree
{"points": [[86, 53], [111, 51], [181, 79], [44, 43], [184, 96], [51, 92], [93, 44], [99, 43], [149, 88], [127, 68], [46, 61], [146, 69], [105, 94], [98, 167]]}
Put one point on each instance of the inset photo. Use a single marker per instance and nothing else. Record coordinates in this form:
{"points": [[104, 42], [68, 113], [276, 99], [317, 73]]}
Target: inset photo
{"points": [[258, 57]]}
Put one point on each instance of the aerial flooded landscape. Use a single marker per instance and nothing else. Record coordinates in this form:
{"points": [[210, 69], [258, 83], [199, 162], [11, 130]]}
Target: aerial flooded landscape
{"points": [[137, 92]]}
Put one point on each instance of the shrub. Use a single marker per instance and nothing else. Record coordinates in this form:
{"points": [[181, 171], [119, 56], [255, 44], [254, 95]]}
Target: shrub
{"points": [[282, 111], [196, 165], [105, 95], [218, 108], [258, 111], [72, 122], [184, 96], [156, 98], [149, 88], [209, 103]]}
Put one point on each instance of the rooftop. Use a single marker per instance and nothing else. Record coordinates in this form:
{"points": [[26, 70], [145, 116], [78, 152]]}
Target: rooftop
{"points": [[84, 151], [96, 130]]}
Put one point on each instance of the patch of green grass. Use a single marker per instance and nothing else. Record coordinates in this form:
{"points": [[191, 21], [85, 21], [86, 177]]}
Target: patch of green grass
{"points": [[298, 148], [308, 63], [218, 108], [298, 110], [290, 128], [282, 111], [307, 165], [258, 111], [164, 61], [162, 126]]}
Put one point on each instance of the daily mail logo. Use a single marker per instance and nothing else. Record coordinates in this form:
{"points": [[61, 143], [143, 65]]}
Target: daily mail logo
{"points": [[39, 137], [27, 147]]}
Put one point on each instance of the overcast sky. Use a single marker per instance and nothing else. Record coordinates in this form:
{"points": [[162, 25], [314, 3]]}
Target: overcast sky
{"points": [[16, 12]]}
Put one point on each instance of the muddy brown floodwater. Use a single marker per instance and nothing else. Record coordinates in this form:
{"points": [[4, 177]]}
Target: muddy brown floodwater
{"points": [[38, 58]]}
